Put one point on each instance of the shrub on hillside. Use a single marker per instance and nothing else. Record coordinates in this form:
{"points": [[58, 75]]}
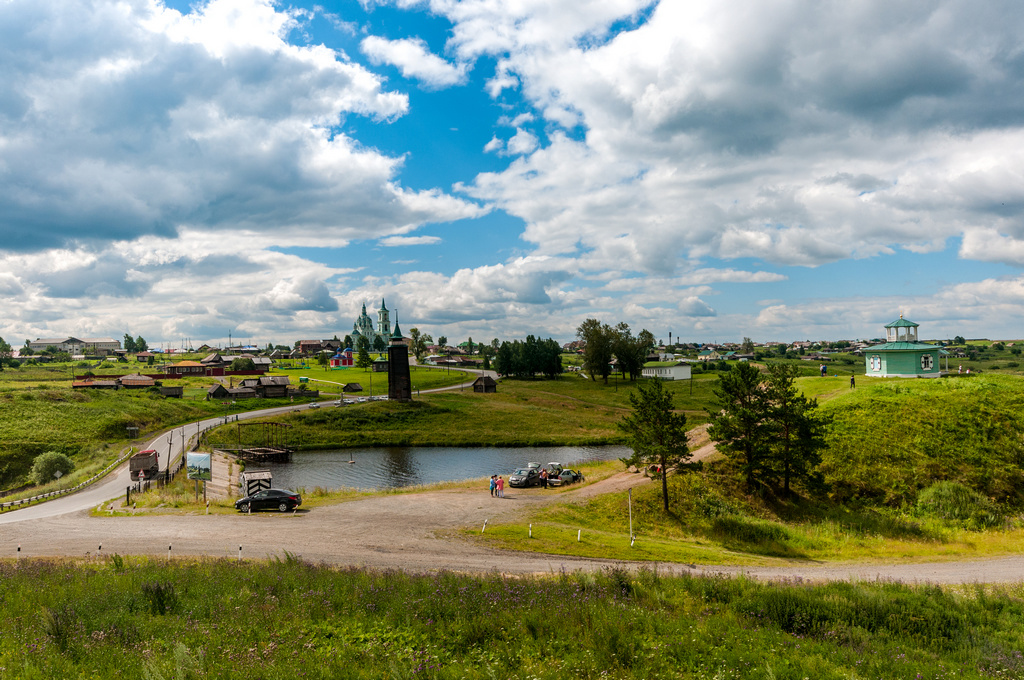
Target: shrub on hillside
{"points": [[953, 501], [46, 465]]}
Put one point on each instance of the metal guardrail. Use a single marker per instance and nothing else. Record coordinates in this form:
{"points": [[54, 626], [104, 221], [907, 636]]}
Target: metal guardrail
{"points": [[71, 489]]}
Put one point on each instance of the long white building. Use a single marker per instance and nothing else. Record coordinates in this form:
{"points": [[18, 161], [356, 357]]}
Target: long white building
{"points": [[74, 345]]}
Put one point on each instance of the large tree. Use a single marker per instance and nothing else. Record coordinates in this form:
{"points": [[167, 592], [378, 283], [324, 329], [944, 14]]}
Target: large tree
{"points": [[630, 351], [418, 342], [656, 433], [140, 344], [739, 425], [597, 340], [243, 364], [129, 344], [797, 430], [5, 353], [363, 359], [442, 341]]}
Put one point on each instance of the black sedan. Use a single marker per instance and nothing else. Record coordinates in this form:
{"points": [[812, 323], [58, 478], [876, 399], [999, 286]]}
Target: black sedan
{"points": [[524, 477], [270, 499]]}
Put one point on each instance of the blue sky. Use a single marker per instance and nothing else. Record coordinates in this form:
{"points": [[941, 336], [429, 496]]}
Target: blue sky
{"points": [[780, 171]]}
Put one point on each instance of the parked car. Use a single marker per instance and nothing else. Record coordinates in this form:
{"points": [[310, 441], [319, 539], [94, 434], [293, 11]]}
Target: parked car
{"points": [[270, 499], [314, 405], [524, 477], [566, 476]]}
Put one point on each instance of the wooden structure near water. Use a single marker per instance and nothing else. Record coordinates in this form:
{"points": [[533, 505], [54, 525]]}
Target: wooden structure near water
{"points": [[264, 442]]}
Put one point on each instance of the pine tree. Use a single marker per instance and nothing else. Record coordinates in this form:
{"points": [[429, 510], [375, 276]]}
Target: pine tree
{"points": [[656, 434], [739, 425]]}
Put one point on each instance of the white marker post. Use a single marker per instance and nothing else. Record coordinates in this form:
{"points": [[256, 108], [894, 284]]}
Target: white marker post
{"points": [[632, 536], [531, 531], [239, 553], [485, 527], [168, 553], [579, 533]]}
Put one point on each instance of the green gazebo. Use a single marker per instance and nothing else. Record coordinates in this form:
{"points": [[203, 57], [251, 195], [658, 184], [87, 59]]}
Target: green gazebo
{"points": [[902, 356]]}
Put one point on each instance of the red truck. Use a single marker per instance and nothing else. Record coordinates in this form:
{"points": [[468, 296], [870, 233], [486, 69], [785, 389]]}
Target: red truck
{"points": [[146, 462]]}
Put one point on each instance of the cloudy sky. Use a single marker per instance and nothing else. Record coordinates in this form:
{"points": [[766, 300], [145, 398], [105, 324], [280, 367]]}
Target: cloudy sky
{"points": [[493, 168]]}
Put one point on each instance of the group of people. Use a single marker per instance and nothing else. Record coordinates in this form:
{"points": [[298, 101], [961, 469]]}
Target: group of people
{"points": [[497, 486]]}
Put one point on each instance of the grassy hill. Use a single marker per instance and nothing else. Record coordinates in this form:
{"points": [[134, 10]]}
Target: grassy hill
{"points": [[892, 438]]}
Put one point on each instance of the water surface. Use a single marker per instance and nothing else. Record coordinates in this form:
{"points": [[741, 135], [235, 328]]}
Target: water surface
{"points": [[392, 467]]}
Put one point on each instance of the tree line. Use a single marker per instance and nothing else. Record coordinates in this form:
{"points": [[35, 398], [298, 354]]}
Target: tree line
{"points": [[524, 359]]}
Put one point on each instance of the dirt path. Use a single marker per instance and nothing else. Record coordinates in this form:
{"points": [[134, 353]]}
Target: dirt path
{"points": [[415, 532]]}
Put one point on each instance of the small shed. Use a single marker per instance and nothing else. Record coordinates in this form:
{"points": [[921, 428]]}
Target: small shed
{"points": [[257, 479], [217, 391], [380, 365], [352, 387], [485, 383], [177, 391]]}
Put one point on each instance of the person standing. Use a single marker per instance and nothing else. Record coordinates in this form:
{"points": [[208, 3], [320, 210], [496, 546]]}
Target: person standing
{"points": [[494, 484], [544, 479], [853, 383], [500, 484]]}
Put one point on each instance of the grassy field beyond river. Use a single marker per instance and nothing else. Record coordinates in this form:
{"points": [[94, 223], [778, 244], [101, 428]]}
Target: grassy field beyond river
{"points": [[527, 413]]}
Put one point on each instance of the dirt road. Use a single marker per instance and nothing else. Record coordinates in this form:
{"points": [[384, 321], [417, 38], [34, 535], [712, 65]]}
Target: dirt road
{"points": [[415, 532]]}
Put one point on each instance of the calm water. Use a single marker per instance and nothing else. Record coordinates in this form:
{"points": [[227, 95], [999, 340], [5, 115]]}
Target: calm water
{"points": [[384, 468]]}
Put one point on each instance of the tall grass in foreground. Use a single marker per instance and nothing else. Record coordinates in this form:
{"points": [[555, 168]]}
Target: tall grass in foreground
{"points": [[126, 617]]}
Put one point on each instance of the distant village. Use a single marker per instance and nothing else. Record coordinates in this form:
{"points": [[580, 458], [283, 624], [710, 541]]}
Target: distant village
{"points": [[251, 363]]}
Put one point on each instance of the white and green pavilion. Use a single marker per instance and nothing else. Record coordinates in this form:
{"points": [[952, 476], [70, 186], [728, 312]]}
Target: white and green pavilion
{"points": [[902, 356]]}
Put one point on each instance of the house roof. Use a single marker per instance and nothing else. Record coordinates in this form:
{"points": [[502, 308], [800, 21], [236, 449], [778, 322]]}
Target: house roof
{"points": [[188, 363], [897, 346], [95, 383], [901, 323], [136, 379]]}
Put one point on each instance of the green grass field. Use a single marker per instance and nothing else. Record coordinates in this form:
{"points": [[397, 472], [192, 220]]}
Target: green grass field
{"points": [[141, 618]]}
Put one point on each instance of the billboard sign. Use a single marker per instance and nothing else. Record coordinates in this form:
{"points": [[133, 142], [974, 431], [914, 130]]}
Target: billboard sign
{"points": [[199, 466]]}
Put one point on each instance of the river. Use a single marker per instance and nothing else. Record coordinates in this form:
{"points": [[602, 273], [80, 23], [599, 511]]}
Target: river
{"points": [[393, 467]]}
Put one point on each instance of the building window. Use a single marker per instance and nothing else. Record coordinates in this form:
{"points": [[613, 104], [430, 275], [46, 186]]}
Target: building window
{"points": [[876, 363], [926, 362]]}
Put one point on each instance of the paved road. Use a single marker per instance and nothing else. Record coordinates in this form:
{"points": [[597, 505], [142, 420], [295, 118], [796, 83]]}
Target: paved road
{"points": [[169, 445]]}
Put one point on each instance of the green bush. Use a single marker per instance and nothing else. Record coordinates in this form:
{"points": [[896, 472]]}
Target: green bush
{"points": [[954, 501], [47, 464]]}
